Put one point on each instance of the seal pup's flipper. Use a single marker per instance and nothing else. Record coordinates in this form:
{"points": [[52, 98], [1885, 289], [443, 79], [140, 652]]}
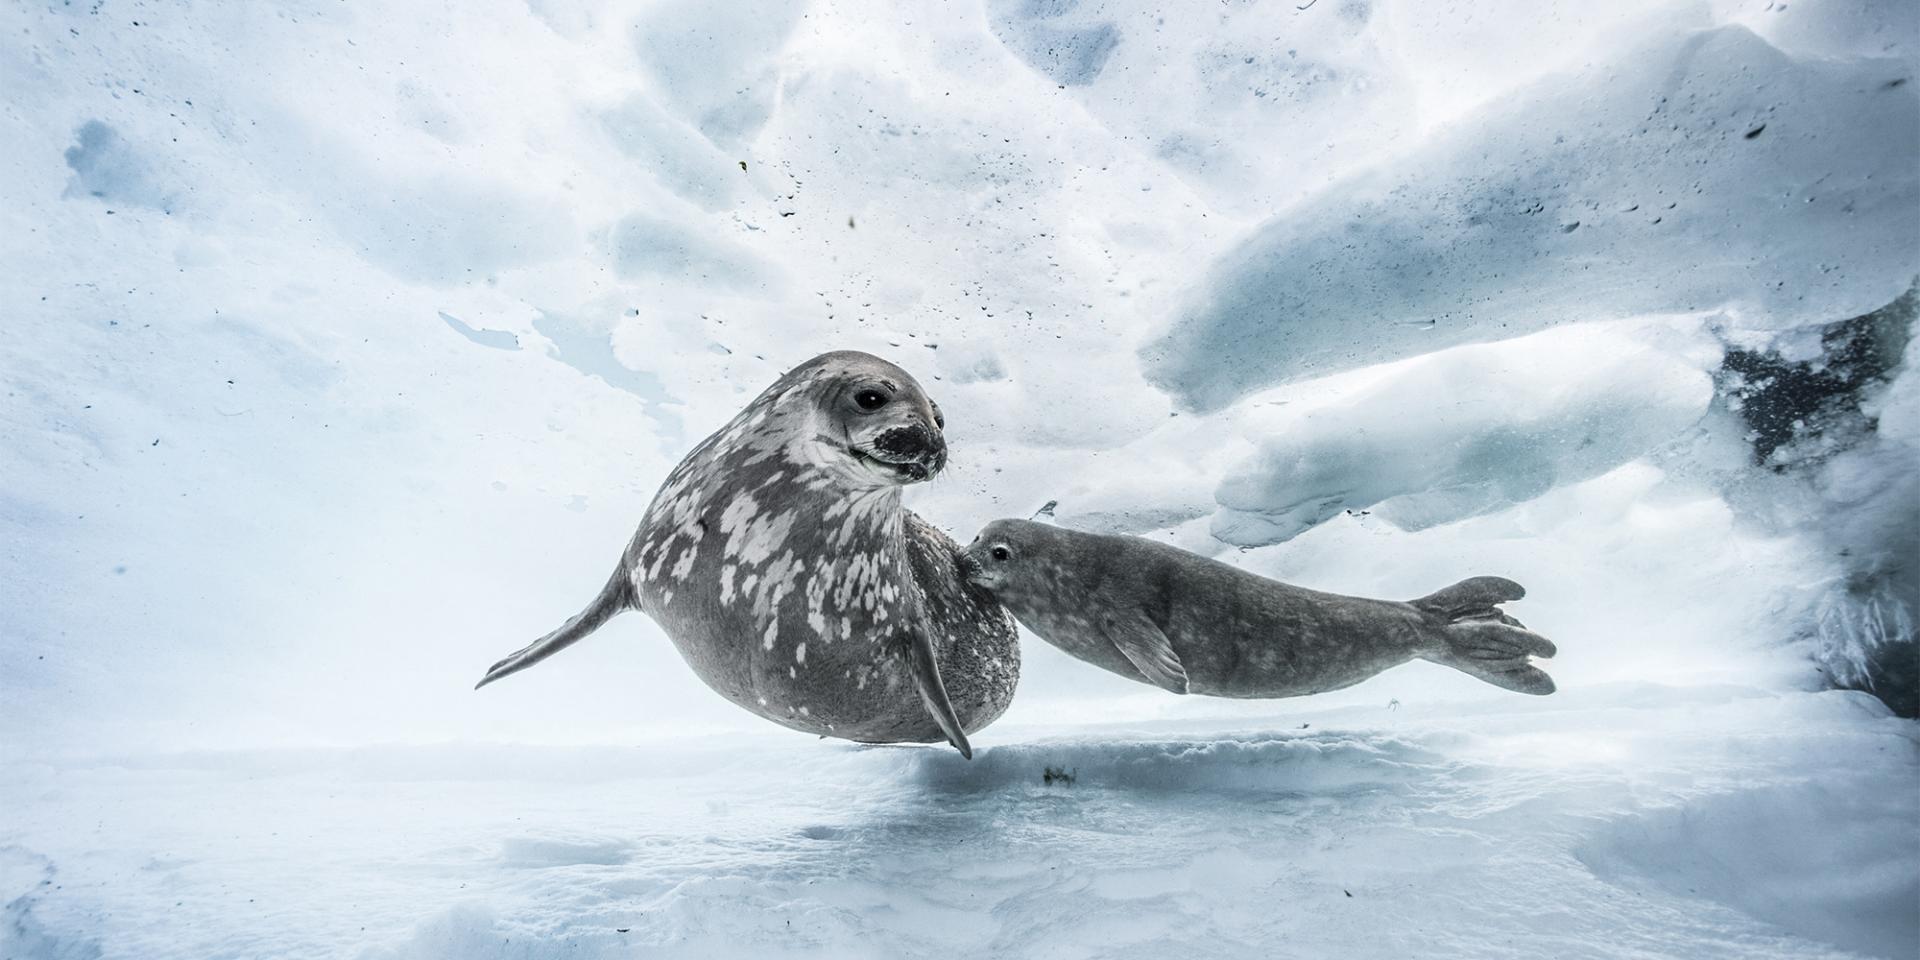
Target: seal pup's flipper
{"points": [[933, 693], [615, 597], [1479, 639], [1473, 597], [1497, 653], [1147, 648]]}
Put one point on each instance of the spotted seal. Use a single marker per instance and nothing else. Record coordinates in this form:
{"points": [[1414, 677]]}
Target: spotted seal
{"points": [[1186, 623], [778, 558]]}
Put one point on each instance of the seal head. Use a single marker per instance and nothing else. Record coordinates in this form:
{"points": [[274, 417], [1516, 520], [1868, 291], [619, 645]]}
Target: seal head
{"points": [[876, 427], [1013, 557]]}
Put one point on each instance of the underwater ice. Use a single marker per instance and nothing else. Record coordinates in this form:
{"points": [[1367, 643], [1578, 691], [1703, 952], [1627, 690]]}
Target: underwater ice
{"points": [[1585, 196], [1495, 831], [1418, 450], [347, 342]]}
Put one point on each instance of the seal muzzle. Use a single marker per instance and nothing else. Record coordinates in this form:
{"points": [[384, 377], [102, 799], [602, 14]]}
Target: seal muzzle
{"points": [[917, 452]]}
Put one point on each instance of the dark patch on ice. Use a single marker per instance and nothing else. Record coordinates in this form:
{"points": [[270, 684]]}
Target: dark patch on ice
{"points": [[822, 833], [1807, 417], [497, 339], [671, 152], [106, 167], [1279, 763], [1070, 57], [24, 876], [1788, 402], [713, 64], [1043, 35], [1059, 775]]}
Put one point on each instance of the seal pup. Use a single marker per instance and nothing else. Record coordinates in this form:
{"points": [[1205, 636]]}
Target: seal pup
{"points": [[1186, 623], [780, 561]]}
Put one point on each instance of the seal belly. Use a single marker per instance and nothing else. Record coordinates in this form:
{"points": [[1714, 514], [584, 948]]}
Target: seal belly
{"points": [[815, 641]]}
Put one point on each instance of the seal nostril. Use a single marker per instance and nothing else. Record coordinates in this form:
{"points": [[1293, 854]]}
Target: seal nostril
{"points": [[914, 441], [895, 441]]}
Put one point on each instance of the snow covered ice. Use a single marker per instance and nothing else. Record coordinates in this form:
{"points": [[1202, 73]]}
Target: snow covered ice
{"points": [[1443, 832], [345, 344]]}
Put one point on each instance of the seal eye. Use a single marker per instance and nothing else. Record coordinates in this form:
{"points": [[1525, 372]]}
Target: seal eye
{"points": [[870, 399], [1001, 553]]}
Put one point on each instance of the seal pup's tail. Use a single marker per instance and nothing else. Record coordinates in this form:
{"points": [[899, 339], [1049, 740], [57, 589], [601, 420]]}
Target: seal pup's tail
{"points": [[1479, 639], [615, 597]]}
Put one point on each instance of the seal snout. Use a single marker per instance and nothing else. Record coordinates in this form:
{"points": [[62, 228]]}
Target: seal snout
{"points": [[969, 567], [914, 450]]}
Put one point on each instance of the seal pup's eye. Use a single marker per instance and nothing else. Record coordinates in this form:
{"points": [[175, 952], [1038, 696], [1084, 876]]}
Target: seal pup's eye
{"points": [[1000, 552], [870, 399]]}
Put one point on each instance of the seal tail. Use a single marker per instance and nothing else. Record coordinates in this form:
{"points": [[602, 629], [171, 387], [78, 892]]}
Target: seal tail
{"points": [[1477, 638], [615, 597]]}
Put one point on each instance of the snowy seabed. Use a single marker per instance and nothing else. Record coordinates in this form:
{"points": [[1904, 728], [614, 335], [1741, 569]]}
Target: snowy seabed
{"points": [[343, 344], [1643, 821]]}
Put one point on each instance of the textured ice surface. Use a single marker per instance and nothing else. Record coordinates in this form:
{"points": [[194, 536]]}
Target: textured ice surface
{"points": [[1586, 196], [1632, 820], [1460, 433]]}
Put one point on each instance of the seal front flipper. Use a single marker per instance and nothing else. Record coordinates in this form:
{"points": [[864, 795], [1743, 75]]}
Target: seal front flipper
{"points": [[933, 693], [1147, 648], [615, 597]]}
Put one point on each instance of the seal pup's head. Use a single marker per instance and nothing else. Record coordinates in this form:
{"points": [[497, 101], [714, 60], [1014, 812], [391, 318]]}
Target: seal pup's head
{"points": [[872, 424], [1011, 555]]}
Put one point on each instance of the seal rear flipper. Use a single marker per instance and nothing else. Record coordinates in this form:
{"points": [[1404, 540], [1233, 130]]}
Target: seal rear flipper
{"points": [[933, 693], [1496, 649], [1472, 598], [1147, 648], [614, 598]]}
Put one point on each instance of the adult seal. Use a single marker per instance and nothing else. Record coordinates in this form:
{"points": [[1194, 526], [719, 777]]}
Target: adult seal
{"points": [[1160, 615], [780, 561]]}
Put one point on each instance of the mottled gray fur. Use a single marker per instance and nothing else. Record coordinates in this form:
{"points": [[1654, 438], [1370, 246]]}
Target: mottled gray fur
{"points": [[1158, 614], [779, 560]]}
